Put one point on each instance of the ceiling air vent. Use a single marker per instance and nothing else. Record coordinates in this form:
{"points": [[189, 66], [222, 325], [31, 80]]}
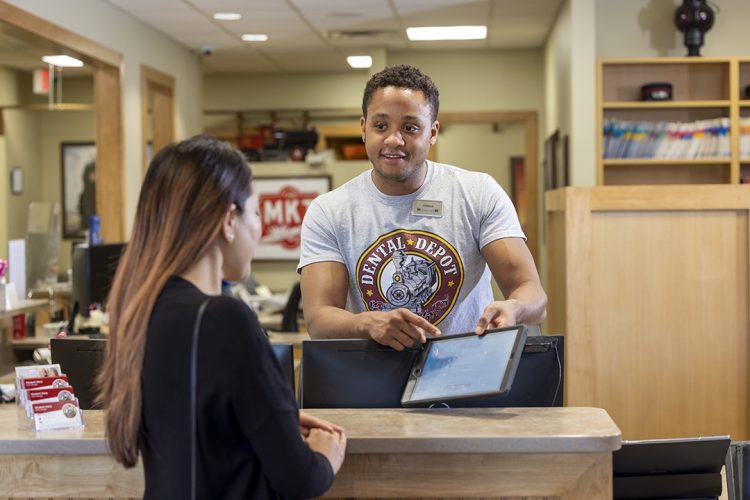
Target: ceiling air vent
{"points": [[359, 35]]}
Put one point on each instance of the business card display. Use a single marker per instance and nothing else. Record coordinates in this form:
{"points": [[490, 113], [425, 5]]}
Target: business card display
{"points": [[56, 415], [27, 384], [46, 399]]}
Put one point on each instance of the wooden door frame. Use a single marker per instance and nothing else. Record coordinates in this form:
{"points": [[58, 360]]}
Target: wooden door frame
{"points": [[531, 152], [152, 78], [107, 108]]}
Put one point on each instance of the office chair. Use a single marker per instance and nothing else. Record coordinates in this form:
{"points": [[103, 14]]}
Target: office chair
{"points": [[290, 314]]}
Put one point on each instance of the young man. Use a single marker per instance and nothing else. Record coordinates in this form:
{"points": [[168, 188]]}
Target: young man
{"points": [[411, 244]]}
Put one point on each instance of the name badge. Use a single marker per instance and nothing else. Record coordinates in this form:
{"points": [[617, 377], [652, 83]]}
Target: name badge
{"points": [[427, 208]]}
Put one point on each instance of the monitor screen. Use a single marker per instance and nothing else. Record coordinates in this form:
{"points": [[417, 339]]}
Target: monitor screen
{"points": [[94, 269]]}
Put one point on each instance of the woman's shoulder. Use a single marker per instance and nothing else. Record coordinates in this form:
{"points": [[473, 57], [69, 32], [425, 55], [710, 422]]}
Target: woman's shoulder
{"points": [[230, 315]]}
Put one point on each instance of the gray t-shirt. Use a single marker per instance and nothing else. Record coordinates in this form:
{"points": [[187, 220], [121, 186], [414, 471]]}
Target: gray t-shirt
{"points": [[431, 265]]}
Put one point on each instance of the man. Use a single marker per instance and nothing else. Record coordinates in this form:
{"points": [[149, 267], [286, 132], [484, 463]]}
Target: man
{"points": [[411, 244]]}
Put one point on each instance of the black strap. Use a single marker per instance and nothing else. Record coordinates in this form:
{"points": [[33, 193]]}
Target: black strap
{"points": [[194, 399]]}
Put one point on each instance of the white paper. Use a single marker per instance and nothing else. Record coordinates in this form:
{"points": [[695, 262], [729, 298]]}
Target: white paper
{"points": [[17, 265]]}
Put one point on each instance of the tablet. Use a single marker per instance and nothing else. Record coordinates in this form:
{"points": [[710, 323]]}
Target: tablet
{"points": [[465, 366]]}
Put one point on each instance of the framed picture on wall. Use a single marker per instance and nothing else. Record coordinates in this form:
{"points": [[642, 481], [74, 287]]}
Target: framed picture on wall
{"points": [[283, 202], [78, 181], [550, 160]]}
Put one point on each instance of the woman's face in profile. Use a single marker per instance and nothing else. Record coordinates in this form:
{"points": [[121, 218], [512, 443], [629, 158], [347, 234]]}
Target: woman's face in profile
{"points": [[242, 250]]}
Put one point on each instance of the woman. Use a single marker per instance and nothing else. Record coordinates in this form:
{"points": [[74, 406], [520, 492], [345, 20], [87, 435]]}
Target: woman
{"points": [[196, 223]]}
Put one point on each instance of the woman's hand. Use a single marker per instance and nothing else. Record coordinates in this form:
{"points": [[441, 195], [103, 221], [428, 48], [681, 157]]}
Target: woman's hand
{"points": [[307, 422], [331, 444]]}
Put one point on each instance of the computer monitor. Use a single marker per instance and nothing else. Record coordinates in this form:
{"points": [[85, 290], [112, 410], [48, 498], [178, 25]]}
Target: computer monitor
{"points": [[80, 358], [359, 373], [94, 268], [285, 354], [670, 468], [352, 373]]}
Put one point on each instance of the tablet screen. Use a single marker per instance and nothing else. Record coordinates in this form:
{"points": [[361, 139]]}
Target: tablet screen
{"points": [[463, 366]]}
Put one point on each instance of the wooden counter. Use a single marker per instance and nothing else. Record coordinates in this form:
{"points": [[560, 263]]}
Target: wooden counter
{"points": [[651, 287], [552, 452]]}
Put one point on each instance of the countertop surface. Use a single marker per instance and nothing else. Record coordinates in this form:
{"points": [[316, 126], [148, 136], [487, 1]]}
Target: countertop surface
{"points": [[464, 430]]}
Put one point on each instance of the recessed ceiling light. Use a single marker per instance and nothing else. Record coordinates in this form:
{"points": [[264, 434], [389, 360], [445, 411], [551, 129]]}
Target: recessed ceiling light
{"points": [[359, 61], [63, 61], [227, 16], [255, 37], [447, 33]]}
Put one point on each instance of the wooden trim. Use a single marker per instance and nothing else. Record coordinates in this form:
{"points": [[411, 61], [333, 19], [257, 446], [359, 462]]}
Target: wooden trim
{"points": [[532, 188], [667, 161], [157, 77], [95, 53], [734, 123], [109, 154], [666, 60], [579, 351], [716, 103], [67, 106], [678, 197], [599, 123], [484, 116], [160, 88]]}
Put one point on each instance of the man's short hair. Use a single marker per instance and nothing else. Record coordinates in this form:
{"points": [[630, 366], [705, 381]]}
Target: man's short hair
{"points": [[403, 76]]}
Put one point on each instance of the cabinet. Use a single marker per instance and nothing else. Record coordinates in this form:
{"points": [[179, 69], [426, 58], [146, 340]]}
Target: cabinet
{"points": [[651, 287], [707, 122]]}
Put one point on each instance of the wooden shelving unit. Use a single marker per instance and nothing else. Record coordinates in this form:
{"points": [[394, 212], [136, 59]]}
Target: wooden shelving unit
{"points": [[703, 88], [744, 112]]}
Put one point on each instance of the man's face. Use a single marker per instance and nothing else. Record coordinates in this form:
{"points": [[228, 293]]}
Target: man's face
{"points": [[398, 133]]}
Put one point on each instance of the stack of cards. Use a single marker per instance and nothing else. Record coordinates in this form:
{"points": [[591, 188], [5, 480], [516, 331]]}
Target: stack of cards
{"points": [[46, 398]]}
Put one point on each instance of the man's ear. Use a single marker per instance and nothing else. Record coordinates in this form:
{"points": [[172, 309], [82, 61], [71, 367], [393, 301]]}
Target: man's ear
{"points": [[434, 131]]}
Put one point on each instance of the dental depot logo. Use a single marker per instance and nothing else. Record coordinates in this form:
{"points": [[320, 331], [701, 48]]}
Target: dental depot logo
{"points": [[415, 270]]}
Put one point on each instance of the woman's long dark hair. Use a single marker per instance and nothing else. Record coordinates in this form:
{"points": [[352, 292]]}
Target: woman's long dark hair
{"points": [[188, 188]]}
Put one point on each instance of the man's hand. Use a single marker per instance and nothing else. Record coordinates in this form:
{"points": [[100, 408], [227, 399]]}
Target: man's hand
{"points": [[399, 329], [499, 314]]}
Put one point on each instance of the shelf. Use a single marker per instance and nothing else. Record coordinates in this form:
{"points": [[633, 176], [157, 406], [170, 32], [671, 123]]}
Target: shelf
{"points": [[665, 161], [666, 104], [702, 89], [24, 306]]}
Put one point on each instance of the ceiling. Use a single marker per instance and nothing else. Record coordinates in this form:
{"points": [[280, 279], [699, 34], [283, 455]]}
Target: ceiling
{"points": [[317, 35]]}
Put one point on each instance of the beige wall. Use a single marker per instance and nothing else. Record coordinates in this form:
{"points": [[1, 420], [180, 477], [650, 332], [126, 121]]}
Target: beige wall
{"points": [[570, 83], [139, 44], [557, 75], [644, 28]]}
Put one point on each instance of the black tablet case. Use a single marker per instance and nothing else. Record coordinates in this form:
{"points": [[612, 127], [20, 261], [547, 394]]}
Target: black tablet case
{"points": [[506, 382]]}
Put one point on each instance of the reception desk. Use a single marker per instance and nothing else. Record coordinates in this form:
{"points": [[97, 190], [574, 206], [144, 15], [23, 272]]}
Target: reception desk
{"points": [[482, 452], [651, 287]]}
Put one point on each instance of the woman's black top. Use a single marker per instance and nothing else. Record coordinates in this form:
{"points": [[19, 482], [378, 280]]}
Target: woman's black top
{"points": [[248, 422]]}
